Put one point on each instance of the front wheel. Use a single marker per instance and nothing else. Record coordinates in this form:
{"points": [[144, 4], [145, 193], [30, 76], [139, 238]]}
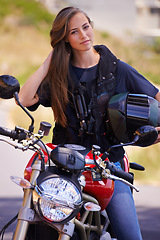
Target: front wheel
{"points": [[41, 232], [94, 236], [75, 236]]}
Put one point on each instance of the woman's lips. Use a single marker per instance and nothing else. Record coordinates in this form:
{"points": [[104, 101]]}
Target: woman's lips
{"points": [[85, 42]]}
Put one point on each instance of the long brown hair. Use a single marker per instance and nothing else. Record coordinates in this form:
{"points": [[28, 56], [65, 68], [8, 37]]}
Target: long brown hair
{"points": [[57, 76]]}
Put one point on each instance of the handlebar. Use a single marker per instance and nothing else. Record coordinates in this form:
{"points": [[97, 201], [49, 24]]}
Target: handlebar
{"points": [[113, 169], [8, 133], [19, 134], [119, 173]]}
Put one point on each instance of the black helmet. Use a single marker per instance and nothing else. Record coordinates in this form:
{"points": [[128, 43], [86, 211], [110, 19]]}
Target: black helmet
{"points": [[127, 112]]}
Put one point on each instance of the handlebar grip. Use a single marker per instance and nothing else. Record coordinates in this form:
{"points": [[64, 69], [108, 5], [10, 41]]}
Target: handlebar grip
{"points": [[8, 132], [122, 174], [119, 172]]}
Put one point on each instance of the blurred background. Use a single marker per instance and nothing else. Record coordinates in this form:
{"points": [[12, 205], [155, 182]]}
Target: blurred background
{"points": [[130, 28]]}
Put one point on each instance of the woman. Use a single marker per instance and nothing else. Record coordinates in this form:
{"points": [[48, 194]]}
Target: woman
{"points": [[77, 79]]}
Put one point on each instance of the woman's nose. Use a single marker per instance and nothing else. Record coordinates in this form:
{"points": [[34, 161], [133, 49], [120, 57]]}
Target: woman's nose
{"points": [[82, 34]]}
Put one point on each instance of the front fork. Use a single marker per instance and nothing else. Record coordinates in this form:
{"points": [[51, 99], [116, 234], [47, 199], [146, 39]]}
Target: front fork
{"points": [[25, 213]]}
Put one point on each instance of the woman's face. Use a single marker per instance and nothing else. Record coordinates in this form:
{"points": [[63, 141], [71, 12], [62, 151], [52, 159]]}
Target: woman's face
{"points": [[80, 33]]}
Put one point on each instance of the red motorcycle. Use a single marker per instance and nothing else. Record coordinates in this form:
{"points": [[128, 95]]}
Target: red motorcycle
{"points": [[66, 187]]}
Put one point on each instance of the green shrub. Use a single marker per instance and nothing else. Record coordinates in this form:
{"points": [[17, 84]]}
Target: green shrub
{"points": [[156, 45], [105, 35], [31, 12]]}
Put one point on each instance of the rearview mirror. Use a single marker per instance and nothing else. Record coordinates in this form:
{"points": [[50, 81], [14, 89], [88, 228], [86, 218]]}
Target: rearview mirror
{"points": [[8, 86], [145, 136]]}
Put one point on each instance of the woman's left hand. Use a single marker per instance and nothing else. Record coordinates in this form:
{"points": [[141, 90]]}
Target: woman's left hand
{"points": [[158, 138], [157, 97]]}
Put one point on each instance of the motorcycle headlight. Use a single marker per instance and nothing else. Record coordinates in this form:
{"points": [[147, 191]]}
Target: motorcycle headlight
{"points": [[57, 199]]}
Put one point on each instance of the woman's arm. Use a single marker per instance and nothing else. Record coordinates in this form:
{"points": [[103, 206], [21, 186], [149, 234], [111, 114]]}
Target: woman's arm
{"points": [[157, 97], [28, 93]]}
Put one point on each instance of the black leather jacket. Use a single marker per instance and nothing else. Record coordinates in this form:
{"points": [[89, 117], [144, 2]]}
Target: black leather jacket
{"points": [[102, 89]]}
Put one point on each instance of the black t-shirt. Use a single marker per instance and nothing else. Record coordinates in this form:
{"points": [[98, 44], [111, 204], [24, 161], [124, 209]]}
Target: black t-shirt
{"points": [[86, 77], [127, 78]]}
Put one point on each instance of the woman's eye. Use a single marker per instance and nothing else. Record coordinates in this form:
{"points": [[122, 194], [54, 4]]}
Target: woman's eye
{"points": [[74, 32], [86, 26]]}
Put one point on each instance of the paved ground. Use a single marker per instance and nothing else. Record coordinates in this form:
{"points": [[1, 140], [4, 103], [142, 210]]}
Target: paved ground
{"points": [[14, 161], [148, 209], [147, 204]]}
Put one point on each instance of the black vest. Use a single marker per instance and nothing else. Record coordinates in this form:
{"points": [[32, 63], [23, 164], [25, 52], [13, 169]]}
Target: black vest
{"points": [[94, 131]]}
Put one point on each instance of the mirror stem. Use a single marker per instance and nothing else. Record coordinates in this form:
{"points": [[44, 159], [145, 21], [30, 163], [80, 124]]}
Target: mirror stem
{"points": [[125, 144], [31, 127]]}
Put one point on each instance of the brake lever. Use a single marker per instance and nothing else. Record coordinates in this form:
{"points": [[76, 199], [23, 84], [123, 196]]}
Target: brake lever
{"points": [[105, 174], [15, 144]]}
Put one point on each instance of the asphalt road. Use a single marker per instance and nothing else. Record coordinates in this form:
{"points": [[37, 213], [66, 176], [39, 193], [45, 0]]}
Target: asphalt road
{"points": [[13, 162], [147, 204]]}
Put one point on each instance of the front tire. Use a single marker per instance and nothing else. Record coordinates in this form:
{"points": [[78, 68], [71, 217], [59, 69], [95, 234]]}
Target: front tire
{"points": [[41, 232], [94, 236]]}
